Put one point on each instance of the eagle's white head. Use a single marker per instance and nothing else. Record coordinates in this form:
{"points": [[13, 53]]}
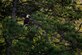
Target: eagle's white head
{"points": [[27, 16]]}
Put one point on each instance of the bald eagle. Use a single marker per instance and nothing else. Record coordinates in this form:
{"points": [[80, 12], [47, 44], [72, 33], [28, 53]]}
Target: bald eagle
{"points": [[27, 19]]}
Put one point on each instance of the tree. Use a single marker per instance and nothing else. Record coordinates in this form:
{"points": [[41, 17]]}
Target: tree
{"points": [[51, 30]]}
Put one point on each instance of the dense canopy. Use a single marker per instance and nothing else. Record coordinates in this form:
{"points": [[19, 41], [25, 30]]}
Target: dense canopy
{"points": [[53, 27]]}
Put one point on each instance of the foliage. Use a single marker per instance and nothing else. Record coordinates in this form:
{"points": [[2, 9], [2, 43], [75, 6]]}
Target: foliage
{"points": [[51, 30]]}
